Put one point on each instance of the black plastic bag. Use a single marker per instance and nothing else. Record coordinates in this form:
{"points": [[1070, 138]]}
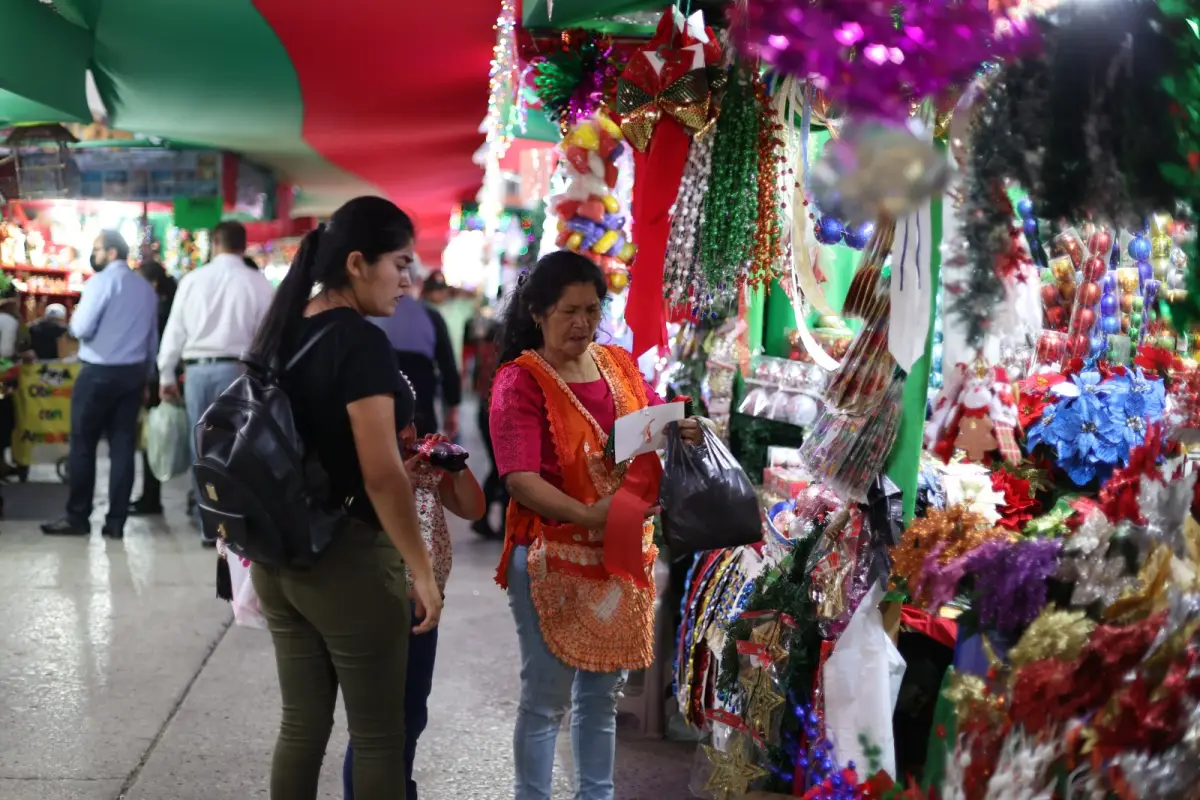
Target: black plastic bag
{"points": [[707, 499]]}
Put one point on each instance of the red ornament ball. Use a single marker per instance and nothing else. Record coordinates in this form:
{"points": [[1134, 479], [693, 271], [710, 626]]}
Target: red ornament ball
{"points": [[1094, 268], [1079, 345], [1049, 296], [1101, 243], [1089, 294], [1085, 319], [1055, 315]]}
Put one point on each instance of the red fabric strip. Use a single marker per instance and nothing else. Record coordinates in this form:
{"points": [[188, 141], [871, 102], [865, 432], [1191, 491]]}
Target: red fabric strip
{"points": [[623, 532]]}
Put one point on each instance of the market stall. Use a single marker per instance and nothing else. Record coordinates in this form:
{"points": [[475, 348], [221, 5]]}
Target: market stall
{"points": [[943, 308]]}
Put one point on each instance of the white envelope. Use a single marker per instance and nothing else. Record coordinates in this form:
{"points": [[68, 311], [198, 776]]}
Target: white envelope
{"points": [[644, 431]]}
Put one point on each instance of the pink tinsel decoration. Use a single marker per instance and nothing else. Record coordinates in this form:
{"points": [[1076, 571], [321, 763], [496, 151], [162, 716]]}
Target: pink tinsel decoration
{"points": [[879, 57]]}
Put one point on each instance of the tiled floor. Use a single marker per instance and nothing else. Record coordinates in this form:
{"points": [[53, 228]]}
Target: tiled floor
{"points": [[121, 676]]}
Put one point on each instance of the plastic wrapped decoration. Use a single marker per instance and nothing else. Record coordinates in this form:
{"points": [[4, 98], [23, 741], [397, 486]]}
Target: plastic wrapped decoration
{"points": [[589, 214]]}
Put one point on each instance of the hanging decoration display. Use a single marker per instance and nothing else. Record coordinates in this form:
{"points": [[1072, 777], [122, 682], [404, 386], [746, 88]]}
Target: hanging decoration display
{"points": [[589, 215], [978, 570], [669, 91], [575, 81]]}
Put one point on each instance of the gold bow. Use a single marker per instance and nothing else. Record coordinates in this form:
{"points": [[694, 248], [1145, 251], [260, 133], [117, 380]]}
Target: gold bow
{"points": [[643, 96]]}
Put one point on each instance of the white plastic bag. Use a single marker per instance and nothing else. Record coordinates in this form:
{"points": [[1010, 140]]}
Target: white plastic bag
{"points": [[862, 683], [246, 610], [167, 441]]}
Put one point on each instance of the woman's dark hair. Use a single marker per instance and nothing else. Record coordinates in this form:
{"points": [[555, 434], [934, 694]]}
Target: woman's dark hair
{"points": [[250, 262], [368, 225], [154, 272], [537, 292]]}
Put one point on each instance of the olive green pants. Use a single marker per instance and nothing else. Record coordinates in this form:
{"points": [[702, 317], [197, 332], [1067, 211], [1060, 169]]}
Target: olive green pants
{"points": [[344, 622]]}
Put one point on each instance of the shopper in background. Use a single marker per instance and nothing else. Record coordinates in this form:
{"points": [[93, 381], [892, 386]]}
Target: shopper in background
{"points": [[345, 620], [150, 503], [216, 311], [579, 627], [45, 333], [425, 354], [116, 323], [456, 308], [10, 331], [487, 361]]}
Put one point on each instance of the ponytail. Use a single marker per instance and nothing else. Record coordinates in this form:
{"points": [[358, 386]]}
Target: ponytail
{"points": [[287, 308], [370, 226]]}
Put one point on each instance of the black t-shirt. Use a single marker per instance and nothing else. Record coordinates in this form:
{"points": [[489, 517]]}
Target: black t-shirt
{"points": [[352, 361]]}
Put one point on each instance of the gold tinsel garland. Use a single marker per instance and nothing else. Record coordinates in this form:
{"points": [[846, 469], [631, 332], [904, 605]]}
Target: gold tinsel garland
{"points": [[959, 530], [768, 230]]}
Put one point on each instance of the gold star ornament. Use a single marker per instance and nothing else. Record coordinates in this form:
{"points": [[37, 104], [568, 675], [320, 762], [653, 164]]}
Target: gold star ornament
{"points": [[731, 771]]}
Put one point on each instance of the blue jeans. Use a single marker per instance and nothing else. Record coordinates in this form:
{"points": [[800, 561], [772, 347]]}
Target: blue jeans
{"points": [[202, 385], [548, 688], [418, 683], [104, 402]]}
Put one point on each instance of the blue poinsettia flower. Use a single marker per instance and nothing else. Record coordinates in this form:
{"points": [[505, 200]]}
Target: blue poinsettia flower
{"points": [[1090, 388], [1042, 431], [1123, 424], [1147, 396], [1063, 428]]}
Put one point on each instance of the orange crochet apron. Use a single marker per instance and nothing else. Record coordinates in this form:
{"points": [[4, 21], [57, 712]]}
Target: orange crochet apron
{"points": [[591, 618]]}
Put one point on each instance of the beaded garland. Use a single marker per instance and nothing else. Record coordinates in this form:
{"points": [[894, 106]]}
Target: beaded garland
{"points": [[768, 232], [727, 230], [682, 281]]}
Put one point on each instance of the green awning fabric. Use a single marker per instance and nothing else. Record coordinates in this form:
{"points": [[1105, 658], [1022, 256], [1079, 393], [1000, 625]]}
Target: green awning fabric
{"points": [[43, 65]]}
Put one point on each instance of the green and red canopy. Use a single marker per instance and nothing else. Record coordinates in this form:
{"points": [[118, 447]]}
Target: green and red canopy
{"points": [[343, 98]]}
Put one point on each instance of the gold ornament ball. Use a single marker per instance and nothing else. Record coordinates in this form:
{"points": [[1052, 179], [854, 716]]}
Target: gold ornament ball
{"points": [[617, 281], [1160, 225], [1160, 246], [1162, 265]]}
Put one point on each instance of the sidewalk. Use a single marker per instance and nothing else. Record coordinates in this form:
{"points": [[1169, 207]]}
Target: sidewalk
{"points": [[121, 677]]}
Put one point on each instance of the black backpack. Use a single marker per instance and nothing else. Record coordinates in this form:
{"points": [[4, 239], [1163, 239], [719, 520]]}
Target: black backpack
{"points": [[261, 495]]}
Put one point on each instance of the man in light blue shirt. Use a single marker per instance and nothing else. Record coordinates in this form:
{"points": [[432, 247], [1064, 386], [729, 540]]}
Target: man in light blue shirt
{"points": [[116, 323]]}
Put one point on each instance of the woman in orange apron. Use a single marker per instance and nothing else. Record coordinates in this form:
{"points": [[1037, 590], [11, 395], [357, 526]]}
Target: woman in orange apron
{"points": [[579, 553]]}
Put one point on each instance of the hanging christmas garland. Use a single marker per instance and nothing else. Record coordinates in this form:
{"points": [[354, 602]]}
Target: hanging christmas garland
{"points": [[768, 232], [728, 227], [681, 281], [574, 81]]}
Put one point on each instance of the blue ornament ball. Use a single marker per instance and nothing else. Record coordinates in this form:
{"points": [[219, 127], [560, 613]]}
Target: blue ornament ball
{"points": [[1098, 343], [830, 230], [1031, 228], [1110, 325], [1108, 283], [1108, 305], [1145, 271], [1025, 208], [858, 236], [1139, 248]]}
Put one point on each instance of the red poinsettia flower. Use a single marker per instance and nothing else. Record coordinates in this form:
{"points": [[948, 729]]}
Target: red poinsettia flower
{"points": [[1158, 359], [1016, 510], [1038, 385], [1107, 370]]}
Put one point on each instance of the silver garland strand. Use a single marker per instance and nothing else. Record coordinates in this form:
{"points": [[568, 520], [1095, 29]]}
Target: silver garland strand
{"points": [[682, 279]]}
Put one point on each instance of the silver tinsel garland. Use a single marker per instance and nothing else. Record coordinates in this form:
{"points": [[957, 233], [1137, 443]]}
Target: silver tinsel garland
{"points": [[682, 278]]}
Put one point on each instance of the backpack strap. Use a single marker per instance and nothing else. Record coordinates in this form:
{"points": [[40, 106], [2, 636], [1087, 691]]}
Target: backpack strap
{"points": [[309, 345]]}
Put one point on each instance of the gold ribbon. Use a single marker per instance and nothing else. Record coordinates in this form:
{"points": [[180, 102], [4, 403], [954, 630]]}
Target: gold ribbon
{"points": [[686, 100]]}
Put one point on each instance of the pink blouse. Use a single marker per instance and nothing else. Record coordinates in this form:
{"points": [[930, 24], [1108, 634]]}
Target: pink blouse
{"points": [[520, 431]]}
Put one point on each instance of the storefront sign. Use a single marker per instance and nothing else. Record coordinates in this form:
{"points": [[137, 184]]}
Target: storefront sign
{"points": [[147, 174], [43, 407]]}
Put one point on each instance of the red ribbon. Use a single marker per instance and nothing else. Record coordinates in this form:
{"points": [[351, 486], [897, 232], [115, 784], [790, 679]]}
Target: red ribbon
{"points": [[623, 554]]}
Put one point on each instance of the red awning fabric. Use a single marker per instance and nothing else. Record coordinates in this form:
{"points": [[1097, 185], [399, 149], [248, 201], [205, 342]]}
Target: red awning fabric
{"points": [[390, 102]]}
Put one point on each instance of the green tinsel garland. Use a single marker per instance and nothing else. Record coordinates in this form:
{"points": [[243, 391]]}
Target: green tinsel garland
{"points": [[785, 590], [731, 205], [1183, 18]]}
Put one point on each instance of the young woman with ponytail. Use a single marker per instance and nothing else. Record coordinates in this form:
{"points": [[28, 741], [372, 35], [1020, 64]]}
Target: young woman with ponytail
{"points": [[346, 621], [580, 625]]}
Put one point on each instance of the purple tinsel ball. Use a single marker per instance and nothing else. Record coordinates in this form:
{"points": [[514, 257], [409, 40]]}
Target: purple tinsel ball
{"points": [[873, 57], [1139, 248], [1031, 228], [1145, 271], [829, 230]]}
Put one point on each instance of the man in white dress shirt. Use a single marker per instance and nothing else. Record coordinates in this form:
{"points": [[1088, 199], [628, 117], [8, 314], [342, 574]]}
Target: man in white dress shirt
{"points": [[217, 309]]}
